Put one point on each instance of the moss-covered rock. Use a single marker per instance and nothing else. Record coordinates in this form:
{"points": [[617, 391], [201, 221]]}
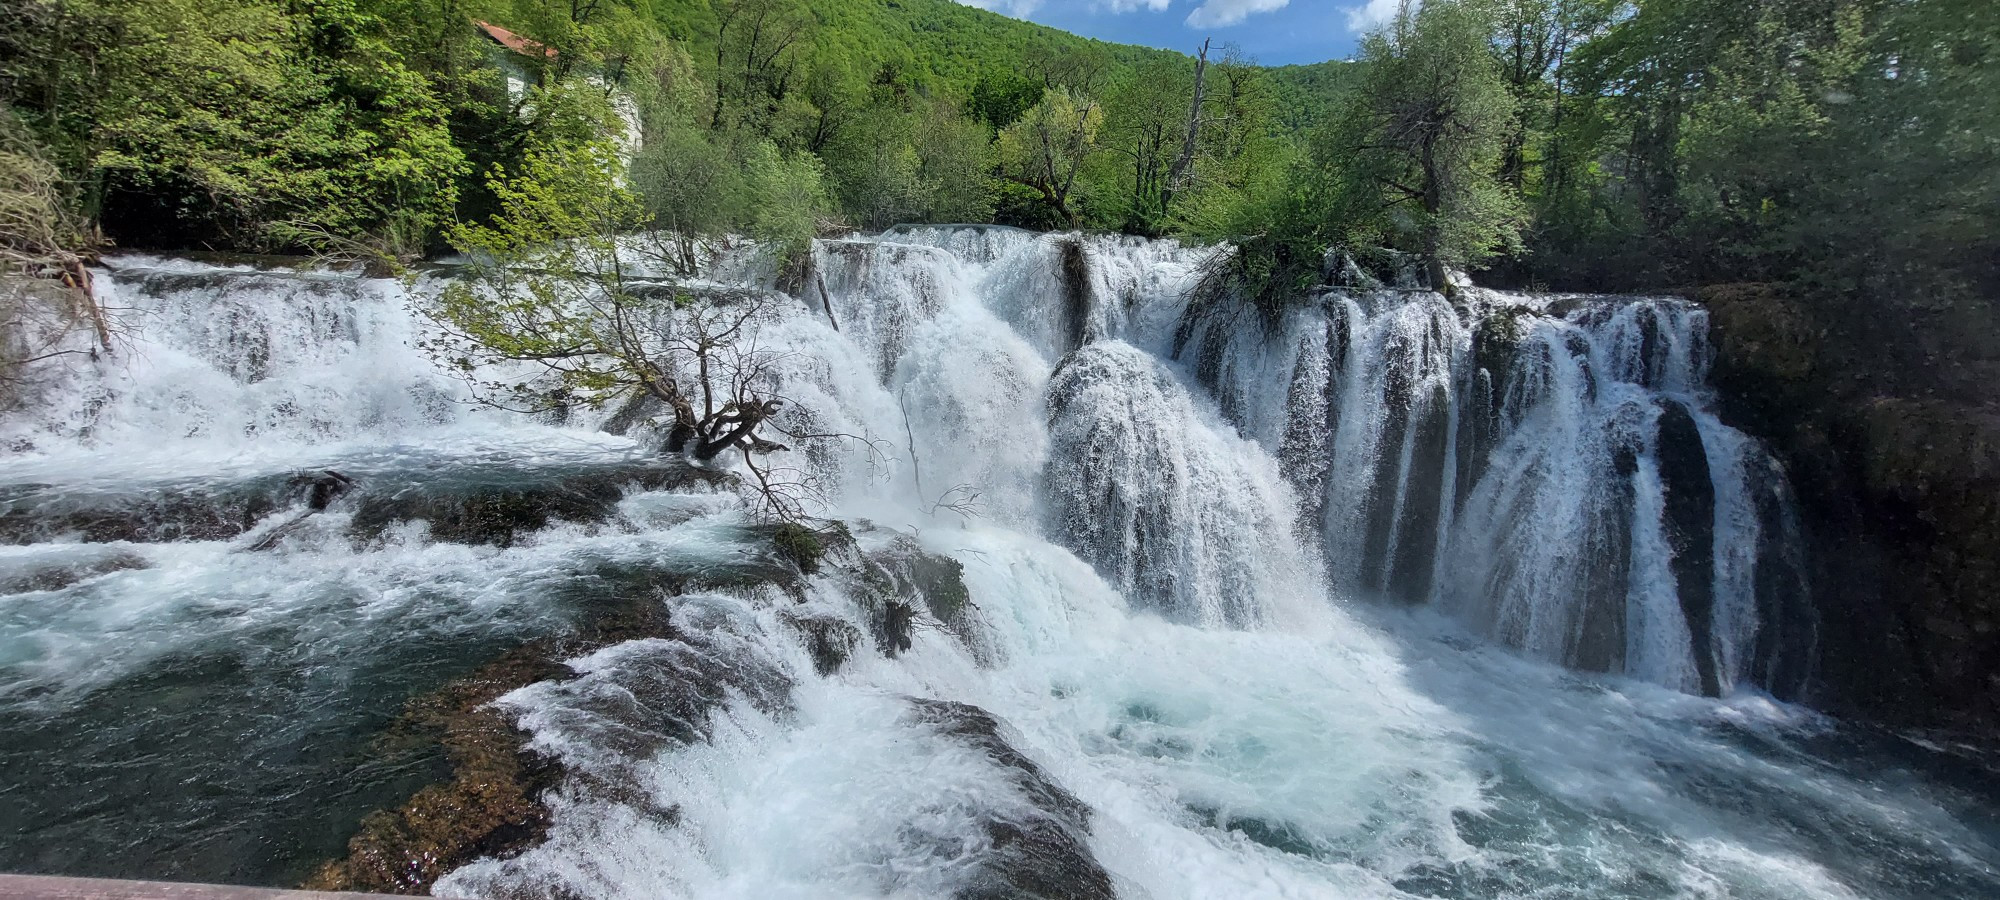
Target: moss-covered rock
{"points": [[492, 804], [473, 503], [901, 581], [829, 640], [497, 506], [799, 545], [1893, 448]]}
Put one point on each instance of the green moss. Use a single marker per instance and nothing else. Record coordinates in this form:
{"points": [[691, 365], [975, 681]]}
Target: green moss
{"points": [[805, 547], [492, 803], [941, 581]]}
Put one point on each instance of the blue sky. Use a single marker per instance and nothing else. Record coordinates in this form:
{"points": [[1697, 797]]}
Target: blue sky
{"points": [[1275, 32]]}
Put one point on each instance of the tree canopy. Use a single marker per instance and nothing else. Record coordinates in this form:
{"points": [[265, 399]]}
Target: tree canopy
{"points": [[1577, 143]]}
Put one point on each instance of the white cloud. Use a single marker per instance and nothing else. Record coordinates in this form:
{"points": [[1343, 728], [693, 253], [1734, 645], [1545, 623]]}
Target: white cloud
{"points": [[1219, 13], [1019, 9], [1125, 6], [1370, 15]]}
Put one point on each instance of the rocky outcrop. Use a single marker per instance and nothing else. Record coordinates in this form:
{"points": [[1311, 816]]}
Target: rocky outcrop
{"points": [[684, 661], [492, 802], [1042, 853], [1893, 447], [474, 503]]}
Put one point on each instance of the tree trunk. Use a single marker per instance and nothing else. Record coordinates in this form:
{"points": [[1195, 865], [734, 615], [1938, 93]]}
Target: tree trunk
{"points": [[741, 428], [1433, 207], [1178, 176]]}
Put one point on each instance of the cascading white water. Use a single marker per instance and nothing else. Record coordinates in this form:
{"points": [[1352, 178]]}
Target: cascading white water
{"points": [[1503, 459], [1150, 687], [1184, 518]]}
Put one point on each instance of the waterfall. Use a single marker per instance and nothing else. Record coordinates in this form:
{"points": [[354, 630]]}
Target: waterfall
{"points": [[1133, 596], [1550, 471], [1184, 516]]}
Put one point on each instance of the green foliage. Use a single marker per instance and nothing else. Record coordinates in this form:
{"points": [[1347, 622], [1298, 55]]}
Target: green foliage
{"points": [[232, 118], [1415, 153], [1046, 149], [1844, 144], [37, 231], [43, 246], [915, 162], [1142, 137], [551, 266], [999, 98], [787, 198], [799, 545], [1246, 163], [1836, 143], [369, 127]]}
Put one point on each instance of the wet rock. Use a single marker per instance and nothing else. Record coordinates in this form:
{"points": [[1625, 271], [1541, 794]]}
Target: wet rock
{"points": [[1044, 855], [1141, 487], [900, 582], [1411, 570], [497, 505], [1077, 299], [1690, 524], [35, 513], [1881, 411], [52, 574], [1404, 505], [1599, 645], [1313, 404], [1788, 625], [475, 503], [830, 640], [492, 804], [1496, 339]]}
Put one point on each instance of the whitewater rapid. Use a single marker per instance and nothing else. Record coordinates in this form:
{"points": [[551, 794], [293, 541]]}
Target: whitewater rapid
{"points": [[1260, 609]]}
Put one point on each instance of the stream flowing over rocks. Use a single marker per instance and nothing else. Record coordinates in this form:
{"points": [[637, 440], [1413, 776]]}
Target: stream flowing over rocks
{"points": [[1137, 597]]}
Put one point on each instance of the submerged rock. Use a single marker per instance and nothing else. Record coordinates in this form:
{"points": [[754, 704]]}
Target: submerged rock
{"points": [[37, 513], [1042, 855], [478, 503], [898, 583], [493, 803], [53, 572]]}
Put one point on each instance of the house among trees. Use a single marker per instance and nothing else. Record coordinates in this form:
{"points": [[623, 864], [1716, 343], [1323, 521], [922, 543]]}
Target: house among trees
{"points": [[513, 62]]}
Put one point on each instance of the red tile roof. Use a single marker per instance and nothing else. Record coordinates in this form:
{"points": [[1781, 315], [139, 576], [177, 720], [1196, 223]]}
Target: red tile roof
{"points": [[515, 42]]}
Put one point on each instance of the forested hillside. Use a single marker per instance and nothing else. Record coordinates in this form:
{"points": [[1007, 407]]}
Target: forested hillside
{"points": [[1836, 144]]}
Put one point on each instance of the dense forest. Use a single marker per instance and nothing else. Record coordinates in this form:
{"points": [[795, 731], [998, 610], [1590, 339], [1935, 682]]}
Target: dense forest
{"points": [[1844, 145]]}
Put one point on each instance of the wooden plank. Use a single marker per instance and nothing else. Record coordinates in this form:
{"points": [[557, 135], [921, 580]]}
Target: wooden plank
{"points": [[50, 887]]}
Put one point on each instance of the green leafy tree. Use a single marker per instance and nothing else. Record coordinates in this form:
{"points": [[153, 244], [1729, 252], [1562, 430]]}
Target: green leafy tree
{"points": [[238, 120], [787, 198], [554, 291], [757, 49], [1246, 166], [1046, 149], [1419, 145], [1145, 125], [919, 161]]}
